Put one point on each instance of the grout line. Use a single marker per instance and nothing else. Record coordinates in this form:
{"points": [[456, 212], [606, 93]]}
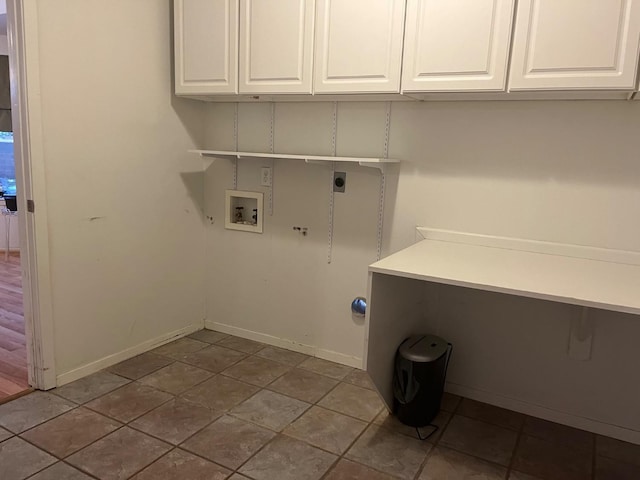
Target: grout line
{"points": [[154, 461], [436, 441], [516, 446], [594, 454]]}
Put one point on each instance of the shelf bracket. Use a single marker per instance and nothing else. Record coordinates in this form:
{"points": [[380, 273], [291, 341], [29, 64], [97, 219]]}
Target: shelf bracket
{"points": [[380, 166]]}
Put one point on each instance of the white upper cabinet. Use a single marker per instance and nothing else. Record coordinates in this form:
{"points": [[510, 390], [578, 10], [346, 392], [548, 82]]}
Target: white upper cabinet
{"points": [[358, 46], [276, 46], [575, 45], [460, 45], [206, 46]]}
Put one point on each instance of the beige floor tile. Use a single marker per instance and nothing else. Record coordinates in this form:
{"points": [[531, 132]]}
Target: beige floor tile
{"points": [[138, 367], [176, 420], [326, 368], [119, 455], [4, 434], [359, 378], [281, 355], [129, 402], [19, 459], [609, 469], [60, 471], [256, 371], [182, 346], [348, 470], [220, 393], [490, 442], [181, 465], [491, 414], [270, 409], [176, 378], [389, 452], [326, 429], [213, 358], [303, 385], [288, 459], [514, 475], [450, 402], [391, 422], [551, 460], [241, 344], [229, 441], [209, 336], [71, 431], [618, 450], [444, 464], [354, 401], [561, 434], [90, 387], [33, 409]]}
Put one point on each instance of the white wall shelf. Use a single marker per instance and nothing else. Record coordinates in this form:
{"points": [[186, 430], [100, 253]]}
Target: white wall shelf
{"points": [[585, 276], [379, 163]]}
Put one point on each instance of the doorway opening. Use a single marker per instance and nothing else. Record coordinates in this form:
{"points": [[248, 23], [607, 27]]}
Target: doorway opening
{"points": [[13, 344]]}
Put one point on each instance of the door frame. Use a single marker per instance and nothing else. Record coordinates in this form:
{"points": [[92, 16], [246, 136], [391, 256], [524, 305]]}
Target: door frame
{"points": [[26, 112]]}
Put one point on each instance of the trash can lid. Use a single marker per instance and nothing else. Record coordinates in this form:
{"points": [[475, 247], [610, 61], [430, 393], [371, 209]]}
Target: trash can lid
{"points": [[423, 348]]}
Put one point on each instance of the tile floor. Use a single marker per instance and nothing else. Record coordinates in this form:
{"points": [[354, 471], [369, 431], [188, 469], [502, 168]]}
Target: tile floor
{"points": [[214, 407]]}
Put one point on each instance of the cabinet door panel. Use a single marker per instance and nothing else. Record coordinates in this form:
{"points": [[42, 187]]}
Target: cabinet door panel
{"points": [[575, 44], [358, 46], [457, 46], [276, 46], [206, 38]]}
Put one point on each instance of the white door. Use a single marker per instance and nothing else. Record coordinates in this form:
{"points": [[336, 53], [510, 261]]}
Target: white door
{"points": [[206, 46], [276, 46], [358, 46], [575, 44], [460, 45]]}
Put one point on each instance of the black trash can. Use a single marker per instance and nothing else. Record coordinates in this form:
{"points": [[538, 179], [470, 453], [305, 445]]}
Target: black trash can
{"points": [[418, 380]]}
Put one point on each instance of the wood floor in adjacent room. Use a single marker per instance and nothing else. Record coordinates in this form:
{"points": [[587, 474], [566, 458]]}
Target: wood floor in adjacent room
{"points": [[13, 352]]}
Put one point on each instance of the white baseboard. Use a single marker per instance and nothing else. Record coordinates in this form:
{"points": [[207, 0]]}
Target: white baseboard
{"points": [[538, 411], [110, 360], [330, 355]]}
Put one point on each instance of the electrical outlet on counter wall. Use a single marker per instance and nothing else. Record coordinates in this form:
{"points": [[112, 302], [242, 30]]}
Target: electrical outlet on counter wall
{"points": [[265, 176]]}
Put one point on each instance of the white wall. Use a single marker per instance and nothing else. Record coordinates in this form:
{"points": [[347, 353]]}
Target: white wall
{"points": [[123, 196], [557, 171]]}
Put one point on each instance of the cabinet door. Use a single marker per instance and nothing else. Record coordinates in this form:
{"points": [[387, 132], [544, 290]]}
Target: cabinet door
{"points": [[460, 45], [206, 46], [575, 44], [276, 46], [358, 46]]}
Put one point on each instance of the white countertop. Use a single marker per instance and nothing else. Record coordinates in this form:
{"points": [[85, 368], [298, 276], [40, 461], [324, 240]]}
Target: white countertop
{"points": [[579, 281]]}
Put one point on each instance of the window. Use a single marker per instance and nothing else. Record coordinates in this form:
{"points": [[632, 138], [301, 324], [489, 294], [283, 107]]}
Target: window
{"points": [[7, 164]]}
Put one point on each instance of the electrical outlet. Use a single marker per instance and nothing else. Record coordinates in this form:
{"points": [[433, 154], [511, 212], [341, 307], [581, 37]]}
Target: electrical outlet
{"points": [[265, 176]]}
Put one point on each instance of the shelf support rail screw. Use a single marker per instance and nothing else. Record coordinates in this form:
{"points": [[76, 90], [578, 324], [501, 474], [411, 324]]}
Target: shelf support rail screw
{"points": [[331, 192], [382, 184], [235, 142], [271, 147]]}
